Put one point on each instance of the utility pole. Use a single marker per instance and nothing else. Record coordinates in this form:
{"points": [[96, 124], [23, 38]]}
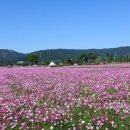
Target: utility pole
{"points": [[40, 57]]}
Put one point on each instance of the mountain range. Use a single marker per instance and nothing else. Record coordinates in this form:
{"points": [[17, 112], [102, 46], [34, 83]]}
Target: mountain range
{"points": [[10, 56]]}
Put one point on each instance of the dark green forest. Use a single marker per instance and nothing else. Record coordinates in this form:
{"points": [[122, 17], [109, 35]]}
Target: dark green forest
{"points": [[120, 54]]}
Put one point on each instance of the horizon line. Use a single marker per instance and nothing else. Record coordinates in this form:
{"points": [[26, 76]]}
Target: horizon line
{"points": [[62, 49]]}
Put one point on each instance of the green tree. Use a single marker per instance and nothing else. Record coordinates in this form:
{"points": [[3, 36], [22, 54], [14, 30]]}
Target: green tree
{"points": [[82, 57], [69, 62], [92, 57], [109, 57], [89, 57], [33, 59]]}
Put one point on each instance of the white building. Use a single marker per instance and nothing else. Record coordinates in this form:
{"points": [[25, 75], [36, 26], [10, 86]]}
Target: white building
{"points": [[52, 64], [20, 62]]}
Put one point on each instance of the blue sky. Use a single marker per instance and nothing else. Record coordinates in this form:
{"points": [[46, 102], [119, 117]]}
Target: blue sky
{"points": [[30, 25]]}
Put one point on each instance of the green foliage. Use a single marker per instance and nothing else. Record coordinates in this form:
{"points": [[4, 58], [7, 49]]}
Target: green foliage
{"points": [[88, 57], [121, 54], [109, 57], [32, 59], [69, 62]]}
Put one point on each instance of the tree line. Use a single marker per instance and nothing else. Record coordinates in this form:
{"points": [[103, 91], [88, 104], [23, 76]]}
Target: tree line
{"points": [[85, 58]]}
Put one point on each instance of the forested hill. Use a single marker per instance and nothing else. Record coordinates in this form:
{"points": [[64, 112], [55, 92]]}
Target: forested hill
{"points": [[9, 56], [55, 54]]}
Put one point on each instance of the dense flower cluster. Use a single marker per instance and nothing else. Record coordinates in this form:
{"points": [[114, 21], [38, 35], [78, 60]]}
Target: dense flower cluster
{"points": [[65, 98]]}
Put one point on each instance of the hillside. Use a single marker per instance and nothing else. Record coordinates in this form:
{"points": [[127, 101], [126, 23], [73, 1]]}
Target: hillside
{"points": [[9, 56], [59, 54]]}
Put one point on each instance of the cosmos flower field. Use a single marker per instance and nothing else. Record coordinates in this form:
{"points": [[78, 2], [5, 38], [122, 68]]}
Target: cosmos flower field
{"points": [[65, 98]]}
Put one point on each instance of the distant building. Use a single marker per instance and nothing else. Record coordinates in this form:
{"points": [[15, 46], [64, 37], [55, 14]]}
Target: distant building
{"points": [[20, 62], [34, 65], [52, 64], [75, 64]]}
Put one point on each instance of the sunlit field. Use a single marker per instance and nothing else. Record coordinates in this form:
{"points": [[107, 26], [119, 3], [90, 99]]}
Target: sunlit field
{"points": [[65, 98]]}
